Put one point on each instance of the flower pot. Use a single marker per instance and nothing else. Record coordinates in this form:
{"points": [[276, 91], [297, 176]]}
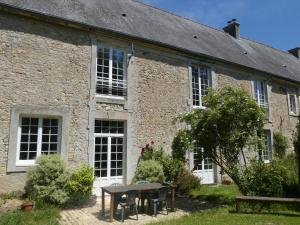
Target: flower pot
{"points": [[27, 206]]}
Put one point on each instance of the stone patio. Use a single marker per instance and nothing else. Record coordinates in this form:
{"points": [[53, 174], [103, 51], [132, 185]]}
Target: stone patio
{"points": [[91, 213]]}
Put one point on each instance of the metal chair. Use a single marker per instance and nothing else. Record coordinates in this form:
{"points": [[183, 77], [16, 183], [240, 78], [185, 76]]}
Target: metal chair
{"points": [[161, 199], [130, 202]]}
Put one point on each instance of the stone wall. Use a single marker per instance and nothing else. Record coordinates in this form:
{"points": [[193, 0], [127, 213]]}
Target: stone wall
{"points": [[43, 64]]}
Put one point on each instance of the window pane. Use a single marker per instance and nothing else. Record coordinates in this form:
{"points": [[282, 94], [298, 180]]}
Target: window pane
{"points": [[267, 152], [293, 108], [110, 81], [195, 86], [200, 84], [112, 127], [28, 139], [100, 161], [49, 136]]}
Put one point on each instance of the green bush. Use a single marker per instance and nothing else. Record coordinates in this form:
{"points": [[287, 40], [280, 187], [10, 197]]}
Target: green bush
{"points": [[262, 179], [149, 170], [172, 168], [48, 180], [186, 182], [280, 145], [290, 180], [181, 144], [80, 184]]}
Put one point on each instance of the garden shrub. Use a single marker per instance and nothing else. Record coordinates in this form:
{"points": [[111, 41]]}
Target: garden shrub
{"points": [[48, 180], [80, 184], [290, 180], [262, 179], [149, 170], [181, 144], [280, 144], [186, 182]]}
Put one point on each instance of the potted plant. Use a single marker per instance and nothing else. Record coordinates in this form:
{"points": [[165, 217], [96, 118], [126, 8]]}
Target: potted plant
{"points": [[27, 206]]}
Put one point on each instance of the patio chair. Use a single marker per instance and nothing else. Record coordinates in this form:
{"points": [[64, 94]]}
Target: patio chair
{"points": [[118, 197], [142, 195], [161, 199], [130, 202]]}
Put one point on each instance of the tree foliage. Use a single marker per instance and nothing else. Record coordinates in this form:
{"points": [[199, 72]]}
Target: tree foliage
{"points": [[296, 143], [229, 123], [280, 145]]}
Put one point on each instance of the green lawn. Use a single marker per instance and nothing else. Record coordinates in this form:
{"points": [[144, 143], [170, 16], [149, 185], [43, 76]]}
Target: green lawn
{"points": [[42, 215], [223, 214]]}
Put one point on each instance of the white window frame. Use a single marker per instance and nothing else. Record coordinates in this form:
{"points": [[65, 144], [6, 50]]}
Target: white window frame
{"points": [[110, 72], [257, 91], [39, 141], [109, 136], [209, 74], [293, 93], [270, 149]]}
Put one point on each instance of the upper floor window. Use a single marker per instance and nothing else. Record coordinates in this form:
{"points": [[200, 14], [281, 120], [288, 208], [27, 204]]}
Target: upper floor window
{"points": [[260, 94], [293, 103], [37, 136], [111, 80], [201, 81]]}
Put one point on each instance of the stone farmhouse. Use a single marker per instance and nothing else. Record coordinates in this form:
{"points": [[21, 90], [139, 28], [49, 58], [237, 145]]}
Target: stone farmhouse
{"points": [[95, 80]]}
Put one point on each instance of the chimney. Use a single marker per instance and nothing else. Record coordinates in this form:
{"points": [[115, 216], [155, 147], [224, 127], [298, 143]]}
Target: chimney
{"points": [[295, 52], [233, 28]]}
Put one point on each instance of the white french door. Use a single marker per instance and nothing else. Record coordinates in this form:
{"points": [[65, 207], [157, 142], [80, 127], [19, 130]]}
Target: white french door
{"points": [[108, 154], [203, 167]]}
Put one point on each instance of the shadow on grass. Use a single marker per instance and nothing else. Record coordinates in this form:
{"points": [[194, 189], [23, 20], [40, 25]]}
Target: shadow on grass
{"points": [[266, 213]]}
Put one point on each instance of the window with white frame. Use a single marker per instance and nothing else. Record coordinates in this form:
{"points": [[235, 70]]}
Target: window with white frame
{"points": [[267, 151], [109, 148], [261, 94], [293, 103], [37, 136], [201, 81], [111, 79]]}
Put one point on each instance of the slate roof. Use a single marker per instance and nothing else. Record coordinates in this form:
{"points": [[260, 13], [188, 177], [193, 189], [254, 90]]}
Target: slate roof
{"points": [[151, 24]]}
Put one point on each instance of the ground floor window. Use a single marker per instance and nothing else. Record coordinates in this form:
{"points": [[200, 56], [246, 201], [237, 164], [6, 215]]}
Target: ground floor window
{"points": [[109, 148], [37, 136], [267, 151]]}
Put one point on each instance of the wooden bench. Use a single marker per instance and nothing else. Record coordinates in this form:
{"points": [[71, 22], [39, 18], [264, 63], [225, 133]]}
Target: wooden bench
{"points": [[259, 199]]}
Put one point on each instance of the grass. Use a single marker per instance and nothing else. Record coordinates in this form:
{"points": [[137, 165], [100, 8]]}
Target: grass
{"points": [[42, 215], [222, 194], [224, 214]]}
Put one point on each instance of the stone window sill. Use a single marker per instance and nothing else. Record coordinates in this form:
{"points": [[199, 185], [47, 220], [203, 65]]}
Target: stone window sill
{"points": [[110, 100]]}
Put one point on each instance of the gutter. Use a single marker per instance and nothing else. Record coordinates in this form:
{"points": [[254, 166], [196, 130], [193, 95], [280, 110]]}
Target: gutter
{"points": [[84, 26]]}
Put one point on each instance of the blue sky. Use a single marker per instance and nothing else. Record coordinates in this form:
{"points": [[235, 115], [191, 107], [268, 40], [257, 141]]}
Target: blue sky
{"points": [[272, 22]]}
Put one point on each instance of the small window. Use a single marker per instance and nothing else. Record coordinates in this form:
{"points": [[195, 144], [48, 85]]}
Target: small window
{"points": [[201, 81], [261, 95], [37, 136], [110, 72], [293, 103], [267, 151]]}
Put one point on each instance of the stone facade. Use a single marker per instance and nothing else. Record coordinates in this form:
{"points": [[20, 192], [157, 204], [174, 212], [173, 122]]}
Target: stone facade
{"points": [[43, 64]]}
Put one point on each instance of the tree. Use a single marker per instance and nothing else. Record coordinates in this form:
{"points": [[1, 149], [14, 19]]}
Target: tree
{"points": [[297, 148], [231, 121]]}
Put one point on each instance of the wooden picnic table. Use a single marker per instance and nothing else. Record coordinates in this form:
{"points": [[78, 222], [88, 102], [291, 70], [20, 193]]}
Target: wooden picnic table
{"points": [[122, 189]]}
